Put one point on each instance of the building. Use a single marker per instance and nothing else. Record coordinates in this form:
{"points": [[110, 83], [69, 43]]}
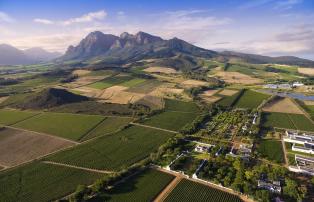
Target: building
{"points": [[297, 84], [244, 151], [202, 147], [274, 186], [279, 86], [303, 165], [255, 118], [301, 142]]}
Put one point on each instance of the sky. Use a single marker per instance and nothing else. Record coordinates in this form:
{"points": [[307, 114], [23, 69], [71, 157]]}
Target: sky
{"points": [[268, 27]]}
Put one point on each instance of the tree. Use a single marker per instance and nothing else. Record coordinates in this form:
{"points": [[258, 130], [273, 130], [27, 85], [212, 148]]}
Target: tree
{"points": [[262, 195], [291, 190], [80, 193]]}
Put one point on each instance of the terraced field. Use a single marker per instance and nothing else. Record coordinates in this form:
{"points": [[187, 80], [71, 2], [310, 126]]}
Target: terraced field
{"points": [[107, 126], [187, 191], [70, 126], [272, 150], [289, 121], [42, 182], [114, 152], [9, 117], [144, 186]]}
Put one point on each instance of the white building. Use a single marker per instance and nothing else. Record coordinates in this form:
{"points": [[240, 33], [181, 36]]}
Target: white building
{"points": [[297, 84], [305, 142], [304, 165], [274, 186], [244, 151]]}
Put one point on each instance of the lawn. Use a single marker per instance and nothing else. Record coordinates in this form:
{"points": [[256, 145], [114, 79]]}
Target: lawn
{"points": [[133, 82], [70, 126], [110, 81], [272, 150], [144, 186], [9, 117], [289, 121], [187, 191], [42, 182], [170, 120], [250, 99], [176, 105], [107, 126], [114, 152]]}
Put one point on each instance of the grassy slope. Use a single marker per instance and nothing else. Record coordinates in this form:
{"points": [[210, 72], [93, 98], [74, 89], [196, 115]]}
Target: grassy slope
{"points": [[8, 117], [144, 186], [115, 151], [191, 191], [70, 126], [41, 182]]}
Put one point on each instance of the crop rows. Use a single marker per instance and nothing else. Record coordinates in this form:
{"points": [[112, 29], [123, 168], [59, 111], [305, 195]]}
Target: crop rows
{"points": [[190, 191], [272, 150]]}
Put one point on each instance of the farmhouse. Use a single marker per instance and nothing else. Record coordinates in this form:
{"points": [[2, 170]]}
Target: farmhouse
{"points": [[244, 151], [305, 142], [274, 186], [278, 86], [304, 165], [297, 84], [203, 148]]}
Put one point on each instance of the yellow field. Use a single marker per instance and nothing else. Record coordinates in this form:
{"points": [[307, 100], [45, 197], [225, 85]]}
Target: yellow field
{"points": [[81, 72], [193, 83], [209, 93], [228, 92], [238, 78], [165, 70], [284, 105], [307, 71]]}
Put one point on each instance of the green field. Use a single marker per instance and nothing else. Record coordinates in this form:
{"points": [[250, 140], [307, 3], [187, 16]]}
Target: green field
{"points": [[110, 81], [308, 108], [9, 117], [144, 186], [289, 121], [133, 82], [176, 105], [145, 87], [188, 191], [107, 126], [272, 150], [170, 120], [70, 126], [250, 99], [114, 152], [42, 182], [229, 101]]}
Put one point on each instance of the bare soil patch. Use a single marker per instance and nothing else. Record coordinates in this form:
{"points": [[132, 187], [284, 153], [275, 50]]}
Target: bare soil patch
{"points": [[87, 91], [81, 72], [284, 105], [227, 92], [123, 97], [308, 102], [238, 78], [164, 70], [211, 99], [153, 102], [83, 81], [209, 93], [307, 71], [194, 83], [2, 99], [18, 147], [110, 92]]}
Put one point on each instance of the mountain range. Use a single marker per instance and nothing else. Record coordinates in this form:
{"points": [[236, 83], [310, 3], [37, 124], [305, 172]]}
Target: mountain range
{"points": [[128, 48], [13, 56]]}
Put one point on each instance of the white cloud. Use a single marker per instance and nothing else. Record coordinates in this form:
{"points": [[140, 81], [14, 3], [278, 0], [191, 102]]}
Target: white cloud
{"points": [[5, 17], [287, 4], [43, 21], [99, 15]]}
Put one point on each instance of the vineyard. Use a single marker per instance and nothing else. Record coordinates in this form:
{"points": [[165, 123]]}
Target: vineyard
{"points": [[114, 152], [144, 186], [175, 105], [250, 99], [8, 117], [41, 182], [70, 126], [272, 150], [191, 191]]}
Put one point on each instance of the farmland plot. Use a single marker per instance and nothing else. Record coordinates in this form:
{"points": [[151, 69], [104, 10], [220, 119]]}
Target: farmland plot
{"points": [[70, 126], [42, 182], [188, 191], [250, 99], [170, 120], [144, 186], [110, 81], [145, 87], [272, 150], [17, 147], [116, 151], [107, 126], [176, 105], [8, 117], [283, 105]]}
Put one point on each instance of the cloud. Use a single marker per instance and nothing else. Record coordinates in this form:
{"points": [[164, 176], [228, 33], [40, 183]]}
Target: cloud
{"points": [[43, 21], [89, 17], [5, 17], [287, 4], [99, 15], [254, 4]]}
